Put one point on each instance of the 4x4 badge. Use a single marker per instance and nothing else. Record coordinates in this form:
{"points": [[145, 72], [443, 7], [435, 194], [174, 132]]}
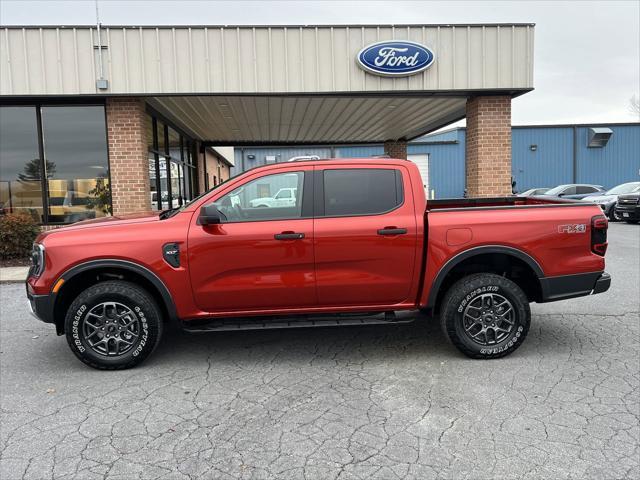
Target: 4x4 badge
{"points": [[572, 228]]}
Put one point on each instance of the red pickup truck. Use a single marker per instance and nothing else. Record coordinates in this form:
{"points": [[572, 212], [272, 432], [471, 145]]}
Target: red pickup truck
{"points": [[356, 243]]}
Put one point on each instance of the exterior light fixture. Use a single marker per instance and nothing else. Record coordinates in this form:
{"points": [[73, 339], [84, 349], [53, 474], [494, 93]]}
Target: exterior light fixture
{"points": [[533, 147]]}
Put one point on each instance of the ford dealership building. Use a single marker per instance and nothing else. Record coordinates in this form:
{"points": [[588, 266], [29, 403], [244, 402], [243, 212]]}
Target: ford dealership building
{"points": [[97, 120]]}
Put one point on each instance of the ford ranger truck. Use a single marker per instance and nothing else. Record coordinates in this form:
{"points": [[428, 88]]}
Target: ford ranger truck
{"points": [[360, 245]]}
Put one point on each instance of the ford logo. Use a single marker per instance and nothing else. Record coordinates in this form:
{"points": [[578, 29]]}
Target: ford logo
{"points": [[396, 58]]}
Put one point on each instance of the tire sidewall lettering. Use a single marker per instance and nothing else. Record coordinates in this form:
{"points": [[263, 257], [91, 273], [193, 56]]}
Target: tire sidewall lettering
{"points": [[505, 346], [145, 331], [75, 327]]}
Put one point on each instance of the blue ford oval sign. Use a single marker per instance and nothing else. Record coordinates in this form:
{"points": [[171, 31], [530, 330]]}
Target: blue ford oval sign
{"points": [[396, 58]]}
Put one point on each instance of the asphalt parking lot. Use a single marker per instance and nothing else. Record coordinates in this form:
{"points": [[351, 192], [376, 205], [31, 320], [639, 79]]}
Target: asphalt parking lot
{"points": [[376, 402]]}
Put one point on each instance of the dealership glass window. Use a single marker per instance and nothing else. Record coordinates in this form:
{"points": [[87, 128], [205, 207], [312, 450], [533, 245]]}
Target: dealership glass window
{"points": [[54, 162], [20, 163], [349, 192], [75, 148], [173, 139], [171, 171], [160, 146]]}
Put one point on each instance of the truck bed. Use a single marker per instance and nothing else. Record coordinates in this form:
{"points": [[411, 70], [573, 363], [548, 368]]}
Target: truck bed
{"points": [[498, 202]]}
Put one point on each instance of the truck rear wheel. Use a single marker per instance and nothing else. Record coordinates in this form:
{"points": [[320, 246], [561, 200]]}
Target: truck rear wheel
{"points": [[485, 316], [113, 325]]}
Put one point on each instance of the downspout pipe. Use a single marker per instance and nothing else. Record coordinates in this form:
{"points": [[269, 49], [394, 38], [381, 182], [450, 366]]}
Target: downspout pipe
{"points": [[575, 154]]}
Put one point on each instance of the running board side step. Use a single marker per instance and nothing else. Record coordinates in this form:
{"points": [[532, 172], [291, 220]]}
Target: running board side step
{"points": [[299, 321]]}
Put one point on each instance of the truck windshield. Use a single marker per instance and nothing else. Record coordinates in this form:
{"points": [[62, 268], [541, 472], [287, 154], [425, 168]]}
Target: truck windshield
{"points": [[625, 188]]}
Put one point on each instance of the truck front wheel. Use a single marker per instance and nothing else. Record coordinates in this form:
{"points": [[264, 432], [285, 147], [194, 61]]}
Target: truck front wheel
{"points": [[113, 325], [485, 316]]}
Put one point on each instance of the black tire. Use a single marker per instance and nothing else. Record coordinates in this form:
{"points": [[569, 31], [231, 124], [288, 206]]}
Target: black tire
{"points": [[500, 338], [613, 216], [125, 310]]}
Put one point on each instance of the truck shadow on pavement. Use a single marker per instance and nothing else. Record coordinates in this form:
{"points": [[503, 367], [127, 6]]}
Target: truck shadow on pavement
{"points": [[423, 339], [353, 343]]}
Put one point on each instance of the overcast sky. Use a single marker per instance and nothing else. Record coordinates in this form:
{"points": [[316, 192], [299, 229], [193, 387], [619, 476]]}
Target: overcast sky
{"points": [[587, 54]]}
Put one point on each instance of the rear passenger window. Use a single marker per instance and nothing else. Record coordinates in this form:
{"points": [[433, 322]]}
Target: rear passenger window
{"points": [[361, 191]]}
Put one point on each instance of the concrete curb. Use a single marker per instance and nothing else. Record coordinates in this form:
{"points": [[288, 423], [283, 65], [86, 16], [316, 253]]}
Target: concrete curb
{"points": [[13, 274]]}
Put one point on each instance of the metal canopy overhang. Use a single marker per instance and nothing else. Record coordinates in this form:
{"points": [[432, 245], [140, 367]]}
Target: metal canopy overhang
{"points": [[311, 119]]}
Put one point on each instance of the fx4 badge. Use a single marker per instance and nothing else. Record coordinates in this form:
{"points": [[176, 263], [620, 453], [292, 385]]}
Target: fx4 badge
{"points": [[572, 228]]}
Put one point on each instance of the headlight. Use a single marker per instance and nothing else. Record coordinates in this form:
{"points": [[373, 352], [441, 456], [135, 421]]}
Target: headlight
{"points": [[37, 260]]}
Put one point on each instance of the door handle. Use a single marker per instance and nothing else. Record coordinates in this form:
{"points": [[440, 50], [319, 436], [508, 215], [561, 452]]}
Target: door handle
{"points": [[392, 231], [288, 236]]}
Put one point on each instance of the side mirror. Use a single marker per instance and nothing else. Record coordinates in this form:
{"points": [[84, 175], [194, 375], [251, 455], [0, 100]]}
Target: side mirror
{"points": [[210, 215], [561, 194]]}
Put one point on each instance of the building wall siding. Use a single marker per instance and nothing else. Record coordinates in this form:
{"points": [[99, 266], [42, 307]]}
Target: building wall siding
{"points": [[282, 154], [446, 167], [617, 162], [359, 151], [550, 164], [261, 59]]}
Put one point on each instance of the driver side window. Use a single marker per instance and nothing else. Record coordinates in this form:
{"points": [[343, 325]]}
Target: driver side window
{"points": [[256, 199]]}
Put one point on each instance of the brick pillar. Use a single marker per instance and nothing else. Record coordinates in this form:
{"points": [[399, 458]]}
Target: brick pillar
{"points": [[128, 157], [488, 146], [396, 149]]}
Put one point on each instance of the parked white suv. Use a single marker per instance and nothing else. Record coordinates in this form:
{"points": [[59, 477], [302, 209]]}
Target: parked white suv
{"points": [[285, 197]]}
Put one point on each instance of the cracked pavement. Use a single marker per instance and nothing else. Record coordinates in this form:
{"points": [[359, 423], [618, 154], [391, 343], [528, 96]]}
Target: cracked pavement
{"points": [[379, 402]]}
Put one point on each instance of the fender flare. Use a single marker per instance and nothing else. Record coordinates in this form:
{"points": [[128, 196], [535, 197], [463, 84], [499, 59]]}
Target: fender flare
{"points": [[472, 252], [167, 300]]}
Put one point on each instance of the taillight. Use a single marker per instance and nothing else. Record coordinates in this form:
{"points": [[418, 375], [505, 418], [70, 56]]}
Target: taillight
{"points": [[599, 226]]}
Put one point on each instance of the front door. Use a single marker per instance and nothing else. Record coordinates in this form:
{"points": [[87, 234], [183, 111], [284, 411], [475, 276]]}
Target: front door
{"points": [[366, 236], [261, 257]]}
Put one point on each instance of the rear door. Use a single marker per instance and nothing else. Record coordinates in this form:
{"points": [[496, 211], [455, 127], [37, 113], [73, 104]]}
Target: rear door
{"points": [[365, 235]]}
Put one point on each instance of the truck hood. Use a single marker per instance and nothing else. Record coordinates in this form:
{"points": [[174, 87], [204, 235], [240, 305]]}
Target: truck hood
{"points": [[601, 198], [111, 221]]}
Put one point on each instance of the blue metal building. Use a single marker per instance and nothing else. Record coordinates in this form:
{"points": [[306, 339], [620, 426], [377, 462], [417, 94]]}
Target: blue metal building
{"points": [[542, 156]]}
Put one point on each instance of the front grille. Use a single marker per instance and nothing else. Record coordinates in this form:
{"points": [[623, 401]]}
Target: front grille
{"points": [[627, 201]]}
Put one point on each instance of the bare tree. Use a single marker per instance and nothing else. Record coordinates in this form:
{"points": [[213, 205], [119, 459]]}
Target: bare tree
{"points": [[634, 106]]}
